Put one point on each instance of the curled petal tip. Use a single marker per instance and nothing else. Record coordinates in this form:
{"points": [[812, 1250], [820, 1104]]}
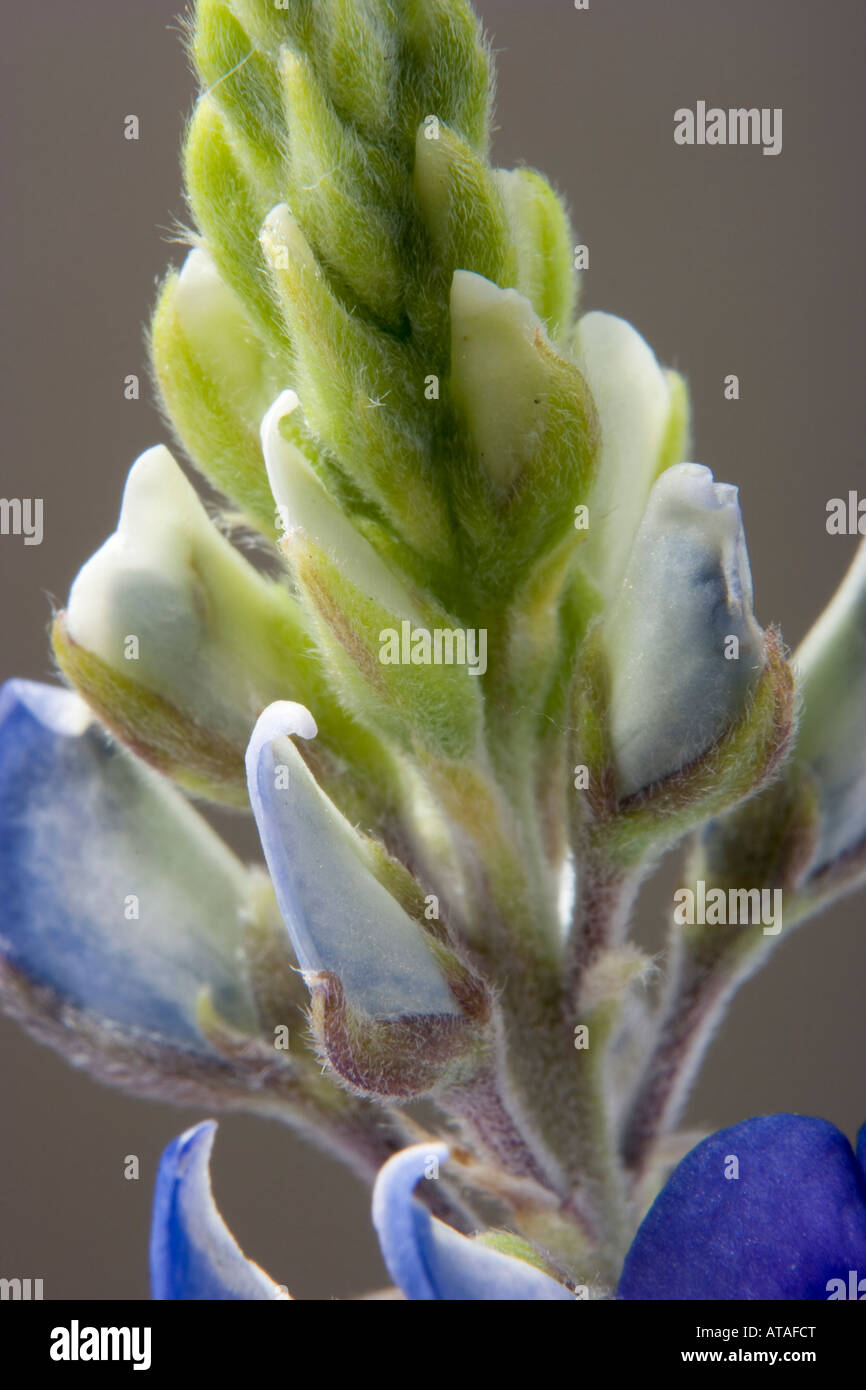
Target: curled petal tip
{"points": [[282, 719], [430, 1261], [286, 404], [340, 917], [193, 1255]]}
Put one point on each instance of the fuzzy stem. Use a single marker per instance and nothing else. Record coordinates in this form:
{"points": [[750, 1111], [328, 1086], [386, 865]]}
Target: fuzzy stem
{"points": [[603, 903], [705, 973]]}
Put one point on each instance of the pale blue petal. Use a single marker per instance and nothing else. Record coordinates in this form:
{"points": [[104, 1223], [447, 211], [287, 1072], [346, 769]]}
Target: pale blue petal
{"points": [[428, 1260], [687, 590], [87, 832], [340, 918], [193, 1255], [831, 741]]}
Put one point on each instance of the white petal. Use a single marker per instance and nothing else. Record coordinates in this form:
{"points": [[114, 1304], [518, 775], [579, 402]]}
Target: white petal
{"points": [[307, 507], [633, 400]]}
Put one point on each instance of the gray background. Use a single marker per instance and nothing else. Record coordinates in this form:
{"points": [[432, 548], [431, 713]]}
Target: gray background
{"points": [[726, 260]]}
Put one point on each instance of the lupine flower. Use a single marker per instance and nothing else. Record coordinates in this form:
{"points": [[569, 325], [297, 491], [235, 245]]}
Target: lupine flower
{"points": [[373, 354], [773, 1208], [339, 916], [808, 829], [685, 657], [120, 903]]}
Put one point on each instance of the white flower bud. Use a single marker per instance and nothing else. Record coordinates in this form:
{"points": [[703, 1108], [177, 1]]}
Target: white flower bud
{"points": [[307, 507], [633, 399], [171, 605], [500, 380], [221, 334]]}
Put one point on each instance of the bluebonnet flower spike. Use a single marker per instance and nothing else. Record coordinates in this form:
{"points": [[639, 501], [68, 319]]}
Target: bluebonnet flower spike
{"points": [[372, 354]]}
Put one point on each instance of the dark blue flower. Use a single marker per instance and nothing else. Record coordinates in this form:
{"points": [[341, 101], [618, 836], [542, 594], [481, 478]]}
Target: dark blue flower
{"points": [[773, 1208]]}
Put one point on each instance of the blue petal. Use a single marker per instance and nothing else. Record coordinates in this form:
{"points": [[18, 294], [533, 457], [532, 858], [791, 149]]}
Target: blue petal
{"points": [[86, 829], [428, 1260], [193, 1255], [793, 1219], [340, 918]]}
